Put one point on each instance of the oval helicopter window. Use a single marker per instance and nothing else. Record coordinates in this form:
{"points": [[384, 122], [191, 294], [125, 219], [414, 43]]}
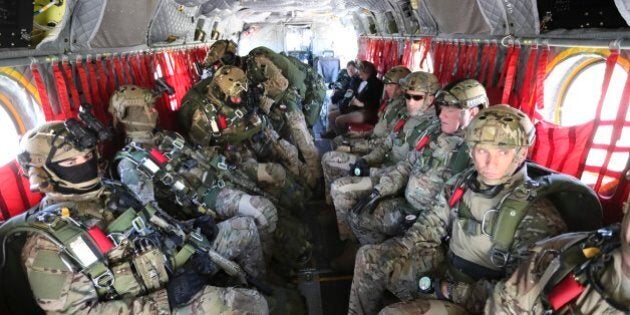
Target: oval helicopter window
{"points": [[9, 142]]}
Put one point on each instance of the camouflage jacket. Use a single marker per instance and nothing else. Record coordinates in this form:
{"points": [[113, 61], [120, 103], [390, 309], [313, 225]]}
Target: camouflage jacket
{"points": [[59, 287], [403, 137], [426, 170], [541, 220], [522, 293], [386, 120]]}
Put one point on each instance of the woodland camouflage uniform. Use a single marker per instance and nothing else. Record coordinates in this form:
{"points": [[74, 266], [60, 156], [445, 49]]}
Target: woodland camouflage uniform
{"points": [[397, 264]]}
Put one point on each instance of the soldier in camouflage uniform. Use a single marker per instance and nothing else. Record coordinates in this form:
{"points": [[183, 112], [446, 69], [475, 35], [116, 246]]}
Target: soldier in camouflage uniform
{"points": [[200, 189], [281, 104], [219, 118], [73, 268], [419, 120], [349, 148], [415, 266], [423, 174], [575, 273]]}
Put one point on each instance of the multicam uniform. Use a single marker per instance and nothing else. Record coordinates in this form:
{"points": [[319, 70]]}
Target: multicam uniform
{"points": [[212, 121], [427, 169], [422, 176], [162, 163], [282, 105], [397, 264], [74, 268], [406, 135], [490, 232]]}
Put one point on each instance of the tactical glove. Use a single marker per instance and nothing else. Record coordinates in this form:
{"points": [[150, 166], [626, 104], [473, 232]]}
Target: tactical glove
{"points": [[360, 168], [367, 203], [182, 287], [206, 225]]}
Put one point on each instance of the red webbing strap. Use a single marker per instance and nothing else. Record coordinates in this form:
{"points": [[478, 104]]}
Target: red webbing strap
{"points": [[618, 125], [126, 69], [406, 57], [447, 65], [491, 66], [4, 208], [120, 76], [526, 92], [102, 82], [541, 73], [446, 50], [96, 96], [111, 75], [426, 44], [149, 68], [135, 70], [484, 63], [472, 63], [610, 66], [462, 62], [15, 169], [70, 79], [437, 61], [43, 94], [62, 93], [144, 71], [452, 62], [570, 148], [85, 87], [510, 75]]}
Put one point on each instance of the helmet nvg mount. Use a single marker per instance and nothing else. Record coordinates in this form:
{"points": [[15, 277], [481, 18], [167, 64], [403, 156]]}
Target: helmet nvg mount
{"points": [[133, 108], [464, 94]]}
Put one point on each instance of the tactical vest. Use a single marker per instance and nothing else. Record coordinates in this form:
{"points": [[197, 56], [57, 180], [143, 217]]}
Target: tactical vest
{"points": [[578, 205], [409, 133], [163, 169], [103, 254], [579, 264]]}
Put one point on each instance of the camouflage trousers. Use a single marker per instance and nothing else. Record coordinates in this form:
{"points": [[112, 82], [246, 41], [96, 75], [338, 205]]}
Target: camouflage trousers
{"points": [[303, 140], [359, 143], [237, 239], [219, 301], [345, 192], [384, 222], [389, 266], [232, 202], [336, 165]]}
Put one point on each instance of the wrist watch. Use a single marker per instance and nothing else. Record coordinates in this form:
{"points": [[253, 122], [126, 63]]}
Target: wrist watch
{"points": [[425, 285]]}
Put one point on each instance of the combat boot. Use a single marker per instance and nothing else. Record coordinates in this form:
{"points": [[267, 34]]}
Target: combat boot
{"points": [[345, 261]]}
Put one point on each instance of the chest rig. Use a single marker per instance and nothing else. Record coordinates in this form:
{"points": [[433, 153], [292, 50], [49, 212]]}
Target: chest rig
{"points": [[577, 204], [580, 263], [131, 255], [166, 165]]}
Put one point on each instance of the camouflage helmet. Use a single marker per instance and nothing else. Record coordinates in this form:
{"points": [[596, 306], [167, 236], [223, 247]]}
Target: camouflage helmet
{"points": [[133, 108], [394, 75], [230, 81], [45, 145], [420, 81], [501, 125], [464, 94], [218, 49]]}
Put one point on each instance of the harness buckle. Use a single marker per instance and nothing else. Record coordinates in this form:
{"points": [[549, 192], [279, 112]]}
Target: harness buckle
{"points": [[139, 225], [220, 183], [238, 113], [222, 166], [483, 221], [167, 179], [498, 257], [104, 280], [116, 238]]}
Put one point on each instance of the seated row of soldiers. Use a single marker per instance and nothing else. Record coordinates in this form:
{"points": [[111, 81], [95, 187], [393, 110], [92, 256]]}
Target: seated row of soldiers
{"points": [[439, 196]]}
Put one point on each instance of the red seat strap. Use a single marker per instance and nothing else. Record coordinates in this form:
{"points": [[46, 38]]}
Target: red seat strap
{"points": [[85, 87], [43, 94], [71, 83], [65, 110], [510, 74]]}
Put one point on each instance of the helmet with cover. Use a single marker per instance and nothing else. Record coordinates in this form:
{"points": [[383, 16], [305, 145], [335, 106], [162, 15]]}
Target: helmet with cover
{"points": [[133, 109], [46, 155], [467, 93], [420, 81], [221, 50], [394, 75], [228, 83]]}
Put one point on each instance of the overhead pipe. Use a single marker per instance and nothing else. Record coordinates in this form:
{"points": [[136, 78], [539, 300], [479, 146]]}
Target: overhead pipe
{"points": [[619, 43]]}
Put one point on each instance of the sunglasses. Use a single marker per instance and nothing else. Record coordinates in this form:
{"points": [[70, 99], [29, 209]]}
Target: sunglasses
{"points": [[415, 97]]}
